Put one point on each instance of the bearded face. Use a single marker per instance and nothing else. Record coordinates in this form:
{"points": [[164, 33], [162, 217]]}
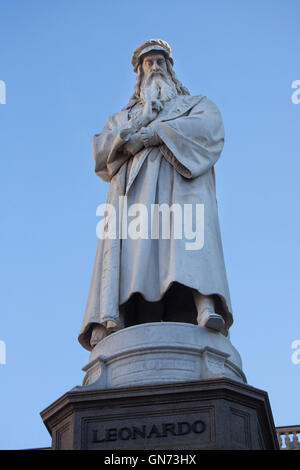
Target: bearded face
{"points": [[156, 83]]}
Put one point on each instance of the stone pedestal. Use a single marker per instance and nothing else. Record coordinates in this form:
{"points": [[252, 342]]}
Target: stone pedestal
{"points": [[162, 386], [163, 352], [204, 414]]}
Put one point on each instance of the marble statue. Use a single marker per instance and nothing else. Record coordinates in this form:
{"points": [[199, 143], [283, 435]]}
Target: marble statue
{"points": [[160, 148]]}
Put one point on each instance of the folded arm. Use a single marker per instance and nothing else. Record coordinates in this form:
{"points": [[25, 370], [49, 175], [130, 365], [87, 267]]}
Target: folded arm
{"points": [[107, 150]]}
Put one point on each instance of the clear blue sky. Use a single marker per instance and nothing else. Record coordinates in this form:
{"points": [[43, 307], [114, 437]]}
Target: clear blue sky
{"points": [[66, 65]]}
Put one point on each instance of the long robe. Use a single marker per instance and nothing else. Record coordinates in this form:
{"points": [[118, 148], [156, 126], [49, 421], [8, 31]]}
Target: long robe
{"points": [[180, 170]]}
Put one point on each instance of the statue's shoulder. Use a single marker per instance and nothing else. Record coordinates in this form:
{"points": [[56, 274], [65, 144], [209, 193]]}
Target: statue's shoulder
{"points": [[189, 98], [198, 99], [205, 102], [120, 116], [129, 105], [180, 105], [195, 97], [197, 105], [188, 101]]}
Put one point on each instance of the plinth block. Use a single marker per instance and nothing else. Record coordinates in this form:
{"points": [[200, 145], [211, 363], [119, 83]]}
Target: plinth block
{"points": [[205, 414]]}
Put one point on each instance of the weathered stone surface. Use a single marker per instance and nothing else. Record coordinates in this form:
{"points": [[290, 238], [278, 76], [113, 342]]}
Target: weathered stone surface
{"points": [[207, 414], [160, 150], [162, 352]]}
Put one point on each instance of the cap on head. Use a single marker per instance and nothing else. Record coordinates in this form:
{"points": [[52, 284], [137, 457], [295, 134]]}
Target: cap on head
{"points": [[148, 46]]}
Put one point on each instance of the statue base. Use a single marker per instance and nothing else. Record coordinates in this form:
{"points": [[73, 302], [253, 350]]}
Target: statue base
{"points": [[206, 414], [162, 386], [161, 352]]}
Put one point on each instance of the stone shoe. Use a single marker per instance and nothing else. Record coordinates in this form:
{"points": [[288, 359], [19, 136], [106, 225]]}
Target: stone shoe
{"points": [[98, 333], [211, 320]]}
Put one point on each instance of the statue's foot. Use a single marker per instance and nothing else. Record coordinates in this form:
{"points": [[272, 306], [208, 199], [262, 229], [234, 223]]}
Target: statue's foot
{"points": [[98, 333], [212, 320]]}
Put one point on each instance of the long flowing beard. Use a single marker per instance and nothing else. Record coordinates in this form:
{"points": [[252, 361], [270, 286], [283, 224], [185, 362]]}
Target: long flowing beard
{"points": [[158, 87]]}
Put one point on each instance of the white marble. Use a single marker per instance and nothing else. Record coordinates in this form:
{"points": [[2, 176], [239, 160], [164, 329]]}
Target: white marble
{"points": [[163, 352], [160, 149]]}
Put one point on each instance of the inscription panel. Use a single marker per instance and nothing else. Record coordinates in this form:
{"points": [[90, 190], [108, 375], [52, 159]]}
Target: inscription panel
{"points": [[157, 431]]}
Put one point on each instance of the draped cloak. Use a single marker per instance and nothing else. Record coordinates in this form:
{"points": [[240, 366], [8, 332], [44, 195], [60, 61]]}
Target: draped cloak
{"points": [[180, 170]]}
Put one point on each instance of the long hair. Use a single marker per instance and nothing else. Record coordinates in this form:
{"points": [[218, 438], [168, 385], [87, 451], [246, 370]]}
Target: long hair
{"points": [[181, 90]]}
